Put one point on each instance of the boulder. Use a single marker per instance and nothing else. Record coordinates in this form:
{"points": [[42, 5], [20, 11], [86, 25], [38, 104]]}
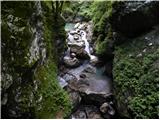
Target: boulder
{"points": [[92, 89], [79, 49], [71, 62], [107, 110], [83, 55]]}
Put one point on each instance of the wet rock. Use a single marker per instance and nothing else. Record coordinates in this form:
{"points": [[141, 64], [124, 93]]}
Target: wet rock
{"points": [[93, 92], [90, 69], [75, 99], [79, 114], [92, 88], [93, 60], [107, 110], [77, 47], [84, 55], [73, 55], [104, 107], [62, 82], [72, 84], [87, 112], [93, 112], [71, 62], [69, 77], [82, 76]]}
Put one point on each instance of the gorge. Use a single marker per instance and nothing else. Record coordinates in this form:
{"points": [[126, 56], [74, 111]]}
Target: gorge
{"points": [[79, 59]]}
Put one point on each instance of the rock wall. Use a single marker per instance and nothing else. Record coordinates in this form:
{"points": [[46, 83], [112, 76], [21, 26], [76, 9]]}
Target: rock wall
{"points": [[29, 68], [126, 40], [135, 66]]}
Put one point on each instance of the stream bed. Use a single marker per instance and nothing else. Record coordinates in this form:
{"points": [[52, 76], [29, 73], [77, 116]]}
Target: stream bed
{"points": [[90, 90]]}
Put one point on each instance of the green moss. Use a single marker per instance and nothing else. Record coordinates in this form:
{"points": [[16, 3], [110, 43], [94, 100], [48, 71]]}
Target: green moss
{"points": [[101, 47], [34, 90], [101, 12], [136, 79], [102, 43], [55, 99]]}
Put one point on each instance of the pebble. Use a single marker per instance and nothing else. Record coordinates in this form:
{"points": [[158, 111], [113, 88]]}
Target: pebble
{"points": [[150, 44]]}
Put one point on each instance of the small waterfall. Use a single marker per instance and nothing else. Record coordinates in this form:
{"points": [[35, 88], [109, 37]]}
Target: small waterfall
{"points": [[86, 42], [87, 47]]}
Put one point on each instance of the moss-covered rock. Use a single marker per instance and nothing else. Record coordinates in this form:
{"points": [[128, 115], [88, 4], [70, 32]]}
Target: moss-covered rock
{"points": [[52, 100], [135, 73], [29, 62]]}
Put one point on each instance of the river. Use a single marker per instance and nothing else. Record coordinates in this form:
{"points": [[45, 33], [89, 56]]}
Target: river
{"points": [[89, 88]]}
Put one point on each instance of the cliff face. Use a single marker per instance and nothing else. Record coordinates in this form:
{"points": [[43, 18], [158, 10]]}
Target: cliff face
{"points": [[135, 65], [29, 67], [127, 36]]}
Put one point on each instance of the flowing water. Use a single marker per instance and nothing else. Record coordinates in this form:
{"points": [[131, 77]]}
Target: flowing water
{"points": [[98, 82]]}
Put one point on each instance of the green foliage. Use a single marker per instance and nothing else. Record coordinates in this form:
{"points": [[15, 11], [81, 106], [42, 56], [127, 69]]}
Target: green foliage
{"points": [[101, 47], [101, 10], [55, 99], [136, 79], [72, 9], [102, 43]]}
